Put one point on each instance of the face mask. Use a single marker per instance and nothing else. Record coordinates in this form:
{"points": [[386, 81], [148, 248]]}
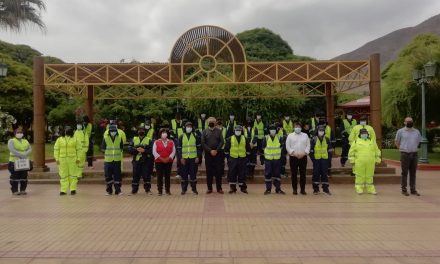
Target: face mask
{"points": [[79, 127], [188, 129], [147, 126], [19, 135], [203, 116], [113, 133], [258, 117], [363, 122], [364, 136], [141, 133], [349, 116], [409, 124], [238, 133], [211, 125], [297, 130], [321, 133], [231, 117], [164, 135], [287, 117], [272, 132]]}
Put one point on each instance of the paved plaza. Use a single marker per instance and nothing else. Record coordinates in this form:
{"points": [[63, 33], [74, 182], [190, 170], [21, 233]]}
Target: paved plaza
{"points": [[90, 227]]}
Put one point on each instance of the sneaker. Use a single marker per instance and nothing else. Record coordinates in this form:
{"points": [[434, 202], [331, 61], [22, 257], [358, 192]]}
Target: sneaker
{"points": [[373, 193], [195, 192], [209, 191], [16, 193], [62, 193], [232, 191], [315, 192], [281, 192], [295, 192], [415, 193], [221, 191], [120, 193], [405, 193], [108, 193], [182, 193], [327, 192], [303, 193], [266, 192], [23, 193], [149, 192], [244, 191], [72, 192]]}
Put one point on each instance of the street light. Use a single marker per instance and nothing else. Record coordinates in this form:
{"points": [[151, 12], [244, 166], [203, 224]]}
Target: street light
{"points": [[422, 77], [3, 69]]}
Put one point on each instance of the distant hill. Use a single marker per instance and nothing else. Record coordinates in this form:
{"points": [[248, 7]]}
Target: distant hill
{"points": [[389, 45]]}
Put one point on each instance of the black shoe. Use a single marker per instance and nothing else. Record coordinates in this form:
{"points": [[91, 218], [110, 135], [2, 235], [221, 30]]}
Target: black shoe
{"points": [[295, 192], [315, 192], [23, 193], [405, 193], [17, 193], [62, 193], [266, 192], [168, 193], [232, 191], [195, 192], [303, 193], [149, 192], [328, 192], [72, 192], [208, 191], [415, 193], [281, 192], [244, 191], [182, 193]]}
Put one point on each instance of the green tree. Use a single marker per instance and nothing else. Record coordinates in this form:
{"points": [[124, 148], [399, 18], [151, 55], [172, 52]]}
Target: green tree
{"points": [[16, 14], [401, 96]]}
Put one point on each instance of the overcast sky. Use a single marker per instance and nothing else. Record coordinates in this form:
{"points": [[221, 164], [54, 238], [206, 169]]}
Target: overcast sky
{"points": [[145, 30]]}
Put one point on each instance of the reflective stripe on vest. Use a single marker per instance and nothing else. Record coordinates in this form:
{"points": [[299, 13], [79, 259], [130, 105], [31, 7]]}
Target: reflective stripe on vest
{"points": [[273, 148], [189, 148], [20, 146], [260, 129], [137, 141], [321, 149], [200, 126], [347, 126], [113, 150], [238, 150], [288, 126], [313, 123]]}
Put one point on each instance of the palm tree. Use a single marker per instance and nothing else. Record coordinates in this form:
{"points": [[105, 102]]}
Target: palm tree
{"points": [[16, 14]]}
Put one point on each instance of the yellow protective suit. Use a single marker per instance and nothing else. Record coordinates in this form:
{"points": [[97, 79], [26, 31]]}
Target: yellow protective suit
{"points": [[67, 151], [82, 138]]}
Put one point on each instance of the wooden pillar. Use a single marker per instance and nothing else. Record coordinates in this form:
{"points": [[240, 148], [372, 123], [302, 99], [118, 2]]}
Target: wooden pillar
{"points": [[39, 122], [375, 98], [89, 103], [330, 104]]}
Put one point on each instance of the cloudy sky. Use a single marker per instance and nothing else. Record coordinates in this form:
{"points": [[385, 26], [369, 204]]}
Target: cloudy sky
{"points": [[145, 30]]}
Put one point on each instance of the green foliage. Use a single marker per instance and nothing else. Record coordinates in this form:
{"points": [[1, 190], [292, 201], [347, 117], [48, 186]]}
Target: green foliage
{"points": [[16, 14], [6, 122], [400, 94], [64, 112]]}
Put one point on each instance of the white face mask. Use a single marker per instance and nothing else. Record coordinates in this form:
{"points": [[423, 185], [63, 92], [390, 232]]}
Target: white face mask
{"points": [[349, 116], [272, 132], [363, 123], [321, 133], [231, 117], [238, 133], [203, 116], [164, 135], [297, 130], [79, 127], [147, 126], [113, 134], [364, 136], [188, 129], [287, 117], [19, 135], [258, 117]]}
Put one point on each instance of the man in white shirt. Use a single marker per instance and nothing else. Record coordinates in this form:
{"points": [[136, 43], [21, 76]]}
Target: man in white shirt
{"points": [[298, 147]]}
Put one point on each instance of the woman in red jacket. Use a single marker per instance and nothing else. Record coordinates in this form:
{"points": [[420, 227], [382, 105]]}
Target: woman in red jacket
{"points": [[164, 152]]}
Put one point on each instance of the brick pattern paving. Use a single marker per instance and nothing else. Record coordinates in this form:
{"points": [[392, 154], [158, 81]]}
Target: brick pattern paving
{"points": [[43, 227]]}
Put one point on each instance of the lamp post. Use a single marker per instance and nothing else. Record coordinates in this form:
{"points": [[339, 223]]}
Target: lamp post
{"points": [[423, 77]]}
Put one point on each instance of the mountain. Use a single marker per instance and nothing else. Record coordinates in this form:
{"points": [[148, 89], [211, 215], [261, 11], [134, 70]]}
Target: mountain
{"points": [[390, 45]]}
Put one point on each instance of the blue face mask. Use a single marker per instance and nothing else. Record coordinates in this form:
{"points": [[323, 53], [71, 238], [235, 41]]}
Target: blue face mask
{"points": [[364, 136], [297, 130]]}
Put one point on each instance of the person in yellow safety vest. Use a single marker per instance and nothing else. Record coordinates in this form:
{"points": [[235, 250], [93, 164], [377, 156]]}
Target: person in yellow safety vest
{"points": [[314, 122], [67, 152], [19, 148], [330, 135], [249, 134], [112, 146], [288, 124], [88, 128], [365, 154], [236, 150], [176, 127], [221, 152], [150, 132], [260, 131], [189, 150], [202, 123], [346, 127], [140, 147], [320, 147], [122, 134], [82, 138], [273, 145], [363, 123], [230, 125]]}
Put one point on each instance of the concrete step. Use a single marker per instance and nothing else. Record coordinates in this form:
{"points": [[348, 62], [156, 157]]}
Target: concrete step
{"points": [[336, 179]]}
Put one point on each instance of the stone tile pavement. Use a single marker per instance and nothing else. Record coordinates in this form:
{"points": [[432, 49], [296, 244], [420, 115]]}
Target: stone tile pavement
{"points": [[43, 227]]}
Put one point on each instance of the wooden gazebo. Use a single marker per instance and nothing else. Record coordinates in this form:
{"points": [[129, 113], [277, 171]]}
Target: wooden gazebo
{"points": [[201, 58]]}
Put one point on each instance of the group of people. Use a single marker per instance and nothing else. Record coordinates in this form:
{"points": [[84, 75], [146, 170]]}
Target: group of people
{"points": [[218, 144]]}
